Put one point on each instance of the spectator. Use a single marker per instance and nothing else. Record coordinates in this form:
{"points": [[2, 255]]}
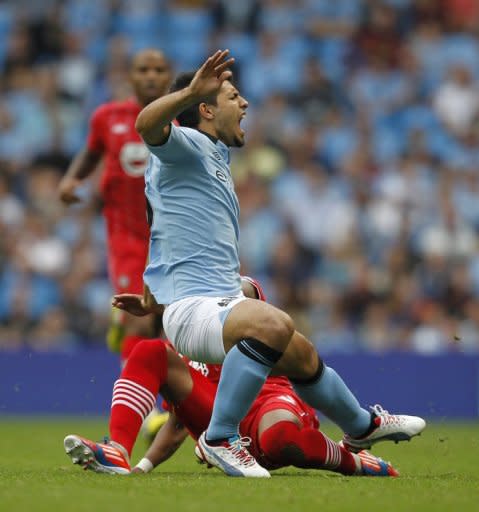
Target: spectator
{"points": [[359, 184], [456, 101]]}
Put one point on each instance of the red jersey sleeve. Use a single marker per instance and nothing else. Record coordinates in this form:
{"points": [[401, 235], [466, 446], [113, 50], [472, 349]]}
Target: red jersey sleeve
{"points": [[96, 131], [259, 290]]}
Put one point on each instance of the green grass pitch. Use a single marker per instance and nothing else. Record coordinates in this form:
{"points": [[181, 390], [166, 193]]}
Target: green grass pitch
{"points": [[439, 472]]}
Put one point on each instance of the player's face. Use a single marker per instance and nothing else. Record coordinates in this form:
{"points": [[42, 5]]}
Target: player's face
{"points": [[150, 76], [230, 109]]}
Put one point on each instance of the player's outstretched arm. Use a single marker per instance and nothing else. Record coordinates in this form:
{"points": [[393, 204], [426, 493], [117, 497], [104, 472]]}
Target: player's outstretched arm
{"points": [[153, 122], [167, 441], [84, 163]]}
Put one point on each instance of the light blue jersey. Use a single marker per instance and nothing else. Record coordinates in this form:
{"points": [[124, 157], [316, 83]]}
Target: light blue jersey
{"points": [[194, 231]]}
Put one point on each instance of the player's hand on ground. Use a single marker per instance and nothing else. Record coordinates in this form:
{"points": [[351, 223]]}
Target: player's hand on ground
{"points": [[67, 190], [211, 75], [131, 303]]}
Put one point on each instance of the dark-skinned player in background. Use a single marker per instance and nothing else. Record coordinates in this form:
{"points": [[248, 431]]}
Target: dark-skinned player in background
{"points": [[114, 146]]}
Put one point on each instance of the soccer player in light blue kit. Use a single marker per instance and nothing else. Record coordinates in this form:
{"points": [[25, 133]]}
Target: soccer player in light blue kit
{"points": [[193, 271]]}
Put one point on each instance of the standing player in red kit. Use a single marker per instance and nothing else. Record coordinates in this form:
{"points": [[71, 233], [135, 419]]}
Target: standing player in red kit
{"points": [[113, 140]]}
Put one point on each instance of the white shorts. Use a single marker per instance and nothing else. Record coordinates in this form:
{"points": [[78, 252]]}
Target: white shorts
{"points": [[195, 326]]}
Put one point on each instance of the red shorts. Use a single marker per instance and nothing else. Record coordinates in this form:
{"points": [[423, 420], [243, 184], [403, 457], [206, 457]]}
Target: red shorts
{"points": [[126, 263], [272, 401]]}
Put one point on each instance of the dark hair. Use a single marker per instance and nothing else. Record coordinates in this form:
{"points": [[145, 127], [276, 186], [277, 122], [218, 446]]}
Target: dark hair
{"points": [[191, 116]]}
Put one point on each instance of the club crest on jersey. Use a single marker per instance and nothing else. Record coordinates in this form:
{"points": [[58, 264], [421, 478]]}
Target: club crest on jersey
{"points": [[123, 281], [119, 128], [134, 158]]}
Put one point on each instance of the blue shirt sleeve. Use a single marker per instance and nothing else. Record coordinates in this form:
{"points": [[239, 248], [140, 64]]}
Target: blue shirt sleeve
{"points": [[182, 144]]}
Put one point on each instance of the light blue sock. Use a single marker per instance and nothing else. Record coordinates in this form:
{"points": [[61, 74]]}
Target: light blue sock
{"points": [[330, 395], [242, 377]]}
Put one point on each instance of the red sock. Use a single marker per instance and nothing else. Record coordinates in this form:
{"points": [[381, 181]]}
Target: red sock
{"points": [[134, 393], [286, 444], [195, 410], [127, 345]]}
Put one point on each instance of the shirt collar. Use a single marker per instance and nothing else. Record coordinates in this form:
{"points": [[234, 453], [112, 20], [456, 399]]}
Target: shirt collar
{"points": [[212, 138], [220, 144]]}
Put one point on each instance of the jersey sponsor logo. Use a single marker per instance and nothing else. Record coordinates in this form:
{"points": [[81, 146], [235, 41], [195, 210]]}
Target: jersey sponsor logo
{"points": [[134, 158], [221, 176], [225, 178], [216, 155], [119, 128], [200, 367]]}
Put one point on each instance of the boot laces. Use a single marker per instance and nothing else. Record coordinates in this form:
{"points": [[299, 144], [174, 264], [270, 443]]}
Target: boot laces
{"points": [[238, 449], [386, 418]]}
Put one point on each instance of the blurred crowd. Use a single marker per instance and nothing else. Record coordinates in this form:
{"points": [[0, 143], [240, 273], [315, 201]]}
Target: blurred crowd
{"points": [[359, 183]]}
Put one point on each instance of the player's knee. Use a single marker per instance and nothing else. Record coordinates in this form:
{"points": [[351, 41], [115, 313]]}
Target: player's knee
{"points": [[280, 328], [278, 444], [147, 352]]}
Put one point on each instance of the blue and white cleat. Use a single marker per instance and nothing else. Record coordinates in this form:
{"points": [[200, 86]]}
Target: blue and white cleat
{"points": [[231, 456], [374, 466], [99, 457], [389, 427]]}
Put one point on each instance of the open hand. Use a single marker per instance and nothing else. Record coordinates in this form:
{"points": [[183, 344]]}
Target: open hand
{"points": [[211, 75], [131, 303]]}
